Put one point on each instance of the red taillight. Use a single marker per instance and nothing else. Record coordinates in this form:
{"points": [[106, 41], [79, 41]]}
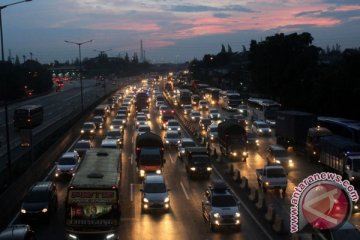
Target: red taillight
{"points": [[29, 120], [113, 187], [172, 111], [138, 149]]}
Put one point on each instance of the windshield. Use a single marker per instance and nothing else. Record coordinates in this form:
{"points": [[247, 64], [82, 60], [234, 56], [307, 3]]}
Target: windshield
{"points": [[82, 145], [195, 114], [275, 173], [261, 125], [149, 160], [188, 144], [214, 112], [67, 161], [356, 164], [223, 201], [200, 159], [213, 129], [173, 124], [172, 135], [144, 129], [155, 188], [36, 196], [113, 134], [141, 118], [281, 153], [116, 122], [88, 126]]}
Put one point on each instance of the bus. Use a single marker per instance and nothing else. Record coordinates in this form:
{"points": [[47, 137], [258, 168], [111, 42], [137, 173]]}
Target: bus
{"points": [[342, 127], [230, 100], [92, 205], [183, 97], [28, 116], [263, 110]]}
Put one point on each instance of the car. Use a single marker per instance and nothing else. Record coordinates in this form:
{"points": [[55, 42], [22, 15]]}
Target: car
{"points": [[278, 154], [243, 110], [115, 134], [123, 110], [195, 115], [252, 140], [173, 125], [141, 120], [99, 121], [39, 202], [261, 128], [109, 143], [197, 162], [147, 113], [121, 117], [184, 143], [195, 99], [163, 108], [220, 207], [214, 114], [82, 146], [159, 103], [203, 105], [204, 123], [154, 193], [88, 129], [144, 128], [172, 138], [117, 124], [67, 164], [18, 232], [212, 132], [187, 109]]}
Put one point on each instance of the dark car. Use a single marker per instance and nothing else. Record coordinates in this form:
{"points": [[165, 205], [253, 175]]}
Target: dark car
{"points": [[39, 202], [18, 232], [204, 123], [82, 146], [252, 140], [99, 121]]}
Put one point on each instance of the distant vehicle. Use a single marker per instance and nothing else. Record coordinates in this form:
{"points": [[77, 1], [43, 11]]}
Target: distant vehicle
{"points": [[109, 143], [99, 121], [220, 207], [278, 154], [232, 140], [143, 129], [142, 101], [147, 113], [67, 164], [115, 134], [39, 202], [88, 129], [342, 156], [195, 99], [195, 115], [28, 116], [154, 193], [197, 162], [272, 176], [212, 132], [121, 117], [185, 143], [252, 140], [213, 94], [92, 204], [141, 120], [82, 146], [18, 232], [230, 100], [172, 138], [183, 97], [203, 105], [342, 127], [167, 115], [263, 109], [117, 124], [214, 114], [204, 123], [261, 128], [173, 125], [102, 110], [149, 154], [187, 109]]}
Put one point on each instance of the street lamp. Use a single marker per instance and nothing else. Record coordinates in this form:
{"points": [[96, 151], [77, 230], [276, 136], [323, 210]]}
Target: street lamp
{"points": [[5, 88], [81, 85]]}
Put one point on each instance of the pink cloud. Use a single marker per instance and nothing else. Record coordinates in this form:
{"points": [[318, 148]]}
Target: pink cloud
{"points": [[127, 25]]}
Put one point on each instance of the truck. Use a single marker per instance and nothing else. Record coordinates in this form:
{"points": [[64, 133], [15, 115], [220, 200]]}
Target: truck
{"points": [[92, 204], [149, 154], [141, 101], [272, 176], [341, 155], [299, 131], [232, 140]]}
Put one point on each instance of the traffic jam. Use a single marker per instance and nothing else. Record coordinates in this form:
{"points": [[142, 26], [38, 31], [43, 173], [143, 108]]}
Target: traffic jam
{"points": [[149, 148]]}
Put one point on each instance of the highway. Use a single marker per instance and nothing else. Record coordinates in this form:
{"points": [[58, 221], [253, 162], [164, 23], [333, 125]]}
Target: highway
{"points": [[185, 220]]}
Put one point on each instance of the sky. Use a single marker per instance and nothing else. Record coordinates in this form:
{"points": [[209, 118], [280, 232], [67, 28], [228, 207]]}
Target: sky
{"points": [[171, 30]]}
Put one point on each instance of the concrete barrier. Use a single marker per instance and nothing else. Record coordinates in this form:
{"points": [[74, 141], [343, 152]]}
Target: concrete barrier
{"points": [[230, 169], [278, 225], [270, 214], [261, 204], [244, 184], [254, 195], [237, 176]]}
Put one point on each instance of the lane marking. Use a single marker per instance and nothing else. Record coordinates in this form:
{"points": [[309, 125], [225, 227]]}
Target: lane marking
{"points": [[131, 192], [171, 159], [184, 190]]}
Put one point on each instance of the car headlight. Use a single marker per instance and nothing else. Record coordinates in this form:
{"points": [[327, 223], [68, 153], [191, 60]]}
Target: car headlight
{"points": [[44, 210], [146, 200], [234, 154], [123, 121], [178, 141], [72, 236], [193, 118], [142, 173], [110, 236], [91, 130], [167, 141], [257, 140], [178, 129], [269, 130], [216, 215], [244, 153], [158, 171], [277, 161], [260, 130], [167, 199], [71, 169], [23, 211], [209, 169], [192, 168], [82, 131], [182, 151], [237, 215]]}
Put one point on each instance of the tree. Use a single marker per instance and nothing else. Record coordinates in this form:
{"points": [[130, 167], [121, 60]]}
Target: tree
{"points": [[229, 49], [223, 51], [17, 60], [127, 60]]}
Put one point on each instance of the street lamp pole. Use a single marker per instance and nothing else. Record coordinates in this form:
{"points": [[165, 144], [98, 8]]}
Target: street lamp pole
{"points": [[80, 69], [8, 149]]}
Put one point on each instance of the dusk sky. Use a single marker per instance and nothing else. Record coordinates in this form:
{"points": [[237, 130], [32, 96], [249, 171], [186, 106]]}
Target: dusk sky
{"points": [[171, 30]]}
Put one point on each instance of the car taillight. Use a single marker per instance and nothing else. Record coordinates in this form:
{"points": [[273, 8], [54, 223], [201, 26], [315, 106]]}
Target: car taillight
{"points": [[172, 111], [138, 149]]}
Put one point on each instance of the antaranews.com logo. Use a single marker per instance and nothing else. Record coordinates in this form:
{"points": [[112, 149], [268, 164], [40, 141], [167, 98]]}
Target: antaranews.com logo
{"points": [[322, 200]]}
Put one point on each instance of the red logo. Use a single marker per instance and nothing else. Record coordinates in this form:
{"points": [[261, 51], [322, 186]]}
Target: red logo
{"points": [[326, 206]]}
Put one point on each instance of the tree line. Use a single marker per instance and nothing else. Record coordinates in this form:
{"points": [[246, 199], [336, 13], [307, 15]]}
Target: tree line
{"points": [[291, 70]]}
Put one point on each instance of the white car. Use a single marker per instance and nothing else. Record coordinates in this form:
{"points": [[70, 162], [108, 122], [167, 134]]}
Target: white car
{"points": [[172, 138], [109, 143], [67, 164], [214, 114], [261, 128], [195, 116]]}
